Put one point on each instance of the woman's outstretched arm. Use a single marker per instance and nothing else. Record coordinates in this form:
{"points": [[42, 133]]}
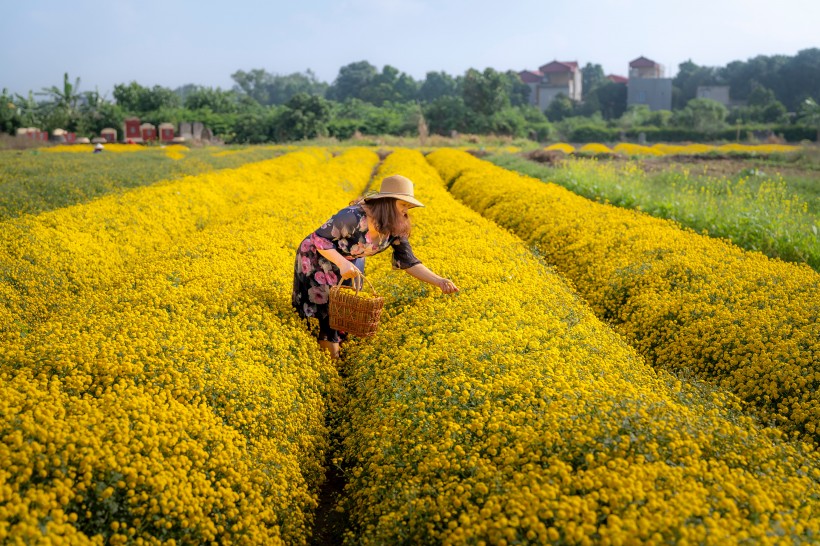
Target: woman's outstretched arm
{"points": [[421, 272]]}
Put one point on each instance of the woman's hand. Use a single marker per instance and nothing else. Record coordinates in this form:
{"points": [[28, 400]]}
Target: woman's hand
{"points": [[349, 271], [447, 286]]}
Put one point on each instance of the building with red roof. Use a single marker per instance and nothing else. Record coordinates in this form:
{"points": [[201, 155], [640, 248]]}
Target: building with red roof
{"points": [[646, 85], [552, 79]]}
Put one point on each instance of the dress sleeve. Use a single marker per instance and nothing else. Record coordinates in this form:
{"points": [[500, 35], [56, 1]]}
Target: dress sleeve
{"points": [[403, 257], [334, 233]]}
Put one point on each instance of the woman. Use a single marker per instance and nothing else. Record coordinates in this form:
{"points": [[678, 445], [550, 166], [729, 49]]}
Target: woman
{"points": [[338, 248]]}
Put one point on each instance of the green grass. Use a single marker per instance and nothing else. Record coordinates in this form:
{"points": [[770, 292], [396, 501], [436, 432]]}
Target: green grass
{"points": [[34, 181], [756, 209]]}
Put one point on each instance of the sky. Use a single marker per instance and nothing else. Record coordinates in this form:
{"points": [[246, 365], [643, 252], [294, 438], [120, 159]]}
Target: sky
{"points": [[176, 42]]}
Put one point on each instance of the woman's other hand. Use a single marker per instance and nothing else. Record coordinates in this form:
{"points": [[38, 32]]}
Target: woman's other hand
{"points": [[447, 286]]}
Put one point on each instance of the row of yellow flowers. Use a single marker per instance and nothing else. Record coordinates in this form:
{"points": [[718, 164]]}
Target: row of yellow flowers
{"points": [[174, 151], [161, 389], [109, 147], [687, 302], [629, 149], [509, 414], [64, 250]]}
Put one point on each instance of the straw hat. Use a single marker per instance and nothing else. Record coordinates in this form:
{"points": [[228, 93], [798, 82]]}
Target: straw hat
{"points": [[398, 187]]}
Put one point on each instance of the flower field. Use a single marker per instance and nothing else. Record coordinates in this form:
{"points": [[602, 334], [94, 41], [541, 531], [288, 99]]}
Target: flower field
{"points": [[155, 385], [755, 209], [157, 388], [43, 179], [624, 148], [687, 302]]}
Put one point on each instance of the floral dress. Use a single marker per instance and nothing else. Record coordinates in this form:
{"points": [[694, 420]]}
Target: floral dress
{"points": [[348, 233]]}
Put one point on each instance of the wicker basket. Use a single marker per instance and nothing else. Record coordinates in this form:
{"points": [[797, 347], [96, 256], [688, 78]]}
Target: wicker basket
{"points": [[354, 312]]}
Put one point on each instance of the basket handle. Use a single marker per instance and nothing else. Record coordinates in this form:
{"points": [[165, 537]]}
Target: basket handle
{"points": [[353, 281]]}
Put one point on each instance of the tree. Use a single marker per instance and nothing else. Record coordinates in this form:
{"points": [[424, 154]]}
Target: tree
{"points": [[66, 97], [764, 107], [136, 99], [611, 98], [636, 115], [268, 89], [447, 114], [437, 85], [703, 115], [305, 116], [517, 90], [9, 116], [485, 92], [216, 100], [61, 110], [592, 76], [559, 108], [743, 77], [257, 124], [810, 115], [689, 77], [389, 86], [352, 81]]}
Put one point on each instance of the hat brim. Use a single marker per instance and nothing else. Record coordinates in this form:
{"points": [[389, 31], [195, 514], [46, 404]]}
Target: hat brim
{"points": [[401, 197]]}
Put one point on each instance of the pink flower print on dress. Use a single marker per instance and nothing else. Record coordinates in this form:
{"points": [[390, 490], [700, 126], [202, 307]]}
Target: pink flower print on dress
{"points": [[306, 244], [356, 249], [321, 242], [363, 223], [331, 278], [318, 294], [307, 266], [320, 277], [308, 310]]}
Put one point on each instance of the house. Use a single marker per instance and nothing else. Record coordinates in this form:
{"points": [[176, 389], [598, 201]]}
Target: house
{"points": [[647, 85], [719, 93], [553, 79], [617, 79]]}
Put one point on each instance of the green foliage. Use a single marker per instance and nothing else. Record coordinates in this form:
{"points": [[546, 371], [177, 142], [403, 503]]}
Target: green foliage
{"points": [[447, 114], [611, 98], [305, 116], [256, 125], [702, 115], [810, 115], [518, 91], [592, 77], [267, 89], [560, 108], [479, 102], [138, 100], [485, 92], [689, 77], [755, 210], [352, 81], [9, 116], [215, 100], [437, 85]]}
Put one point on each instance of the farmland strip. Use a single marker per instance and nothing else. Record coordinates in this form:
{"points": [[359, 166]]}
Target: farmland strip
{"points": [[687, 302], [187, 403], [510, 414]]}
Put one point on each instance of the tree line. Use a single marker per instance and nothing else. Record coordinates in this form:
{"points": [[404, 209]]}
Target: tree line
{"points": [[779, 93]]}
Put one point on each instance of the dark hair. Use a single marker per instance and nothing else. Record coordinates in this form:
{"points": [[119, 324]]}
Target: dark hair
{"points": [[386, 216]]}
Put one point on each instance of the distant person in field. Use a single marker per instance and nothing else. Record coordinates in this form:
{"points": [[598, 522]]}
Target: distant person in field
{"points": [[98, 148], [338, 248]]}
